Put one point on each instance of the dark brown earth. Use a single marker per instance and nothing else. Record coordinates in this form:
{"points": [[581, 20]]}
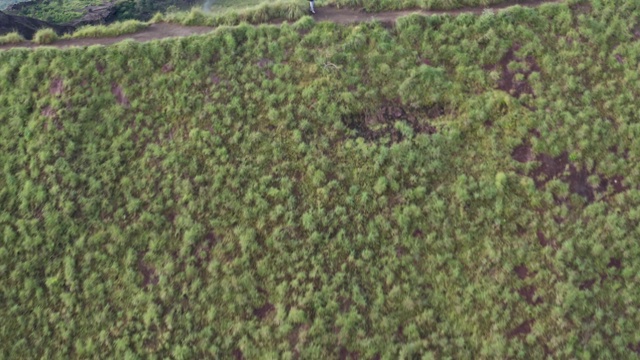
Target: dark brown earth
{"points": [[116, 90], [27, 26], [576, 175], [333, 14], [522, 271], [509, 81], [522, 329], [380, 123], [149, 276]]}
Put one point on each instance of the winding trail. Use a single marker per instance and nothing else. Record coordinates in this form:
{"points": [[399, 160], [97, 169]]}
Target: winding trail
{"points": [[340, 16]]}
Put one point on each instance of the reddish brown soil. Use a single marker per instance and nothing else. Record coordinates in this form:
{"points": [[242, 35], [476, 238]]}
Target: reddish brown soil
{"points": [[344, 354], [529, 293], [576, 176], [546, 242], [264, 311], [238, 355], [615, 263], [48, 111], [57, 86], [508, 81], [116, 90], [522, 329], [549, 168], [166, 68], [523, 153], [587, 285], [294, 338], [332, 14], [522, 271], [149, 276]]}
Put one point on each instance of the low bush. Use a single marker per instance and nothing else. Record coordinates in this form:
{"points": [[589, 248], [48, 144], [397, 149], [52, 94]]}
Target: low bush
{"points": [[11, 38], [45, 36], [115, 29], [285, 10]]}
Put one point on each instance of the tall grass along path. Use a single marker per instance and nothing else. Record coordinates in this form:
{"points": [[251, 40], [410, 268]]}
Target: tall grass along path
{"points": [[341, 16]]}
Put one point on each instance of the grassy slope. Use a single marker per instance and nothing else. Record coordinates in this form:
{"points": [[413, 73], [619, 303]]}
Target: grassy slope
{"points": [[68, 10], [58, 11], [237, 193]]}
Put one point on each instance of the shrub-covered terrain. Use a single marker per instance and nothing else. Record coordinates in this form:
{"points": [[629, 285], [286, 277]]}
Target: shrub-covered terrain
{"points": [[454, 187]]}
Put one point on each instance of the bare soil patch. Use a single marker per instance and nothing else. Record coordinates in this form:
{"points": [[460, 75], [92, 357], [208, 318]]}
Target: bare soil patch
{"points": [[529, 293], [615, 263], [294, 338], [117, 91], [523, 153], [550, 167], [522, 329], [264, 311], [576, 176], [380, 123], [546, 242], [587, 284], [238, 355], [515, 82], [57, 87], [345, 354], [149, 276], [522, 271], [48, 111], [167, 68]]}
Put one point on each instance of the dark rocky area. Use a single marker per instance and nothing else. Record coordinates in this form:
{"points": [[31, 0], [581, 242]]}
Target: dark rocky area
{"points": [[27, 26]]}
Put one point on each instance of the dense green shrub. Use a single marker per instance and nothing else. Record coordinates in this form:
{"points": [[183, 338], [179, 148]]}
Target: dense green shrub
{"points": [[265, 12], [45, 36], [111, 30]]}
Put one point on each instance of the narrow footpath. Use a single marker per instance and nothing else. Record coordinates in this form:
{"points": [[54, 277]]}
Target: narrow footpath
{"points": [[332, 14]]}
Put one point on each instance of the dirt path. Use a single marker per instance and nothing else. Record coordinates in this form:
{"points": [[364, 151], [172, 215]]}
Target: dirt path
{"points": [[341, 16]]}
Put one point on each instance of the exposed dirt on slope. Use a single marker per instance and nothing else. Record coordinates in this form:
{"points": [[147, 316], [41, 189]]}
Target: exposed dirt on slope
{"points": [[27, 26], [341, 16]]}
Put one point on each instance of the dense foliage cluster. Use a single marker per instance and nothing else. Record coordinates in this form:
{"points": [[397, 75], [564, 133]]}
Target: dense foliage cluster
{"points": [[267, 12], [455, 187], [114, 29]]}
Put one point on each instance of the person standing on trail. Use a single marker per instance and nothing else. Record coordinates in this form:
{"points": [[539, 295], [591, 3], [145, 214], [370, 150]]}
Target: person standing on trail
{"points": [[311, 7]]}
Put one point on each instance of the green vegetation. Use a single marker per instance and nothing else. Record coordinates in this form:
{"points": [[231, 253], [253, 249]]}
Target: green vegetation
{"points": [[45, 36], [282, 9], [455, 187], [11, 38], [382, 5], [112, 30]]}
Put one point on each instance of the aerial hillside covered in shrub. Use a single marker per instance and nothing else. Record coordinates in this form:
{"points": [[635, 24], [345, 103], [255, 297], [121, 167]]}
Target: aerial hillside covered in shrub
{"points": [[452, 187]]}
